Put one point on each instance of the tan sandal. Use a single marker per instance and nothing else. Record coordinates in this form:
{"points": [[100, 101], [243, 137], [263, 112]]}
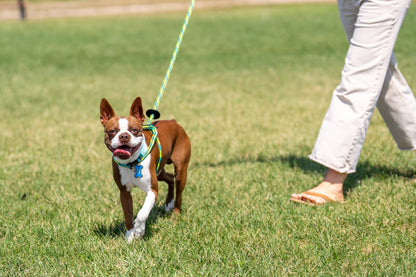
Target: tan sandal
{"points": [[326, 198]]}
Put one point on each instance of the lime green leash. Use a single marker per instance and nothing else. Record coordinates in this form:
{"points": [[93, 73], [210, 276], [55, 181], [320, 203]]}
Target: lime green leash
{"points": [[154, 113]]}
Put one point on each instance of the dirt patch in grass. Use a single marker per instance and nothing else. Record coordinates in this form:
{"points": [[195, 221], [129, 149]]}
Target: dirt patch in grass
{"points": [[39, 10]]}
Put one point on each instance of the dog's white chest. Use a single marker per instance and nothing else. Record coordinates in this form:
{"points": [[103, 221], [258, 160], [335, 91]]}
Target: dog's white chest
{"points": [[138, 176]]}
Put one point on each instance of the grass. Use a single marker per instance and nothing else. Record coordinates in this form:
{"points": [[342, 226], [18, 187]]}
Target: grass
{"points": [[250, 86]]}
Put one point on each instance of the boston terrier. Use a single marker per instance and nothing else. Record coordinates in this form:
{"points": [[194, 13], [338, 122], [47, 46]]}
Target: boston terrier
{"points": [[129, 143]]}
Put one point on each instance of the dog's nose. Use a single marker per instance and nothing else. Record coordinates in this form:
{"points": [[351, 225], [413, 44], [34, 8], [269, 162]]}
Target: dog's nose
{"points": [[124, 137]]}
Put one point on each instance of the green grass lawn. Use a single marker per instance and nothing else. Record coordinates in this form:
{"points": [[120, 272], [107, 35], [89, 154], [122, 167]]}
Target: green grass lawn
{"points": [[251, 87]]}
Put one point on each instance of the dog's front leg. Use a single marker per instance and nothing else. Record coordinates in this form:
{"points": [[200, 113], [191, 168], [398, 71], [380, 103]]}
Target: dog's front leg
{"points": [[143, 214], [127, 205]]}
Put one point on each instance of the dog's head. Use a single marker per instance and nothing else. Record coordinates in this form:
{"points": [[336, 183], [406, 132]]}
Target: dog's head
{"points": [[123, 136]]}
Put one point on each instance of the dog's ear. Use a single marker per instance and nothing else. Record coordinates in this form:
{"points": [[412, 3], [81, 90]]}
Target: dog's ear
{"points": [[136, 109], [106, 111]]}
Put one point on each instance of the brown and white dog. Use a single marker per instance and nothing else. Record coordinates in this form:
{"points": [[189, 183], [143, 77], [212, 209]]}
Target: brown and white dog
{"points": [[126, 139]]}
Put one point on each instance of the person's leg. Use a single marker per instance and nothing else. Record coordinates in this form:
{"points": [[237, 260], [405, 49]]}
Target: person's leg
{"points": [[332, 185], [345, 125], [397, 106]]}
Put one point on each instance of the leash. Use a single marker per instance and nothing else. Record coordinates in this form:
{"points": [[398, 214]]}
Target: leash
{"points": [[154, 113]]}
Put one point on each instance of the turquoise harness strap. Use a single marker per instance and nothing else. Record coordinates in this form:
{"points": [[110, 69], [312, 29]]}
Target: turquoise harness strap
{"points": [[154, 139], [144, 155]]}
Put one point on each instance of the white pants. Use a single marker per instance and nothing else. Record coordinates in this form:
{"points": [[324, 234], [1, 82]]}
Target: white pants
{"points": [[370, 78]]}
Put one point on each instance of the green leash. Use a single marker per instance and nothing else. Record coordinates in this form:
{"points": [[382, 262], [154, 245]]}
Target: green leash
{"points": [[154, 113]]}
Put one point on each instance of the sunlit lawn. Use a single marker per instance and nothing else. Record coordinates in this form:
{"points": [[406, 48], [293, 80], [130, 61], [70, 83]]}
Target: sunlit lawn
{"points": [[250, 86]]}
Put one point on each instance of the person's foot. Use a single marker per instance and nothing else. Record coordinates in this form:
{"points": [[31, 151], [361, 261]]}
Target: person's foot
{"points": [[321, 194], [329, 190]]}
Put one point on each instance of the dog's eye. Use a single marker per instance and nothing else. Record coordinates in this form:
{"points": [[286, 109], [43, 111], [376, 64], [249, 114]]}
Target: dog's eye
{"points": [[136, 132], [112, 132]]}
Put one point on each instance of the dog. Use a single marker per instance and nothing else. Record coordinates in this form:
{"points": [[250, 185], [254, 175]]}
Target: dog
{"points": [[128, 142]]}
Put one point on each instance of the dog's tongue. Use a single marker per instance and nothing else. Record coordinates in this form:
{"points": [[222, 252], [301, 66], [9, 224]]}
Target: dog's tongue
{"points": [[121, 153]]}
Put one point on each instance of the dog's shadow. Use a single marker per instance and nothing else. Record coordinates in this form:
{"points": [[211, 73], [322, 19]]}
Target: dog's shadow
{"points": [[118, 228]]}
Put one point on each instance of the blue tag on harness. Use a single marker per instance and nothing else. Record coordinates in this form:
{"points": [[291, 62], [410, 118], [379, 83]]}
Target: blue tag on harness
{"points": [[138, 171]]}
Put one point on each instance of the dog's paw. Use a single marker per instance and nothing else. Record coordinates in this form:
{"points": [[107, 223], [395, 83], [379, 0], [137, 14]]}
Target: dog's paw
{"points": [[169, 206], [137, 232], [130, 235], [139, 228]]}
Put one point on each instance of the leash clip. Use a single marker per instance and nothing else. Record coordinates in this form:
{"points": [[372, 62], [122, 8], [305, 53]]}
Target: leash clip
{"points": [[155, 113]]}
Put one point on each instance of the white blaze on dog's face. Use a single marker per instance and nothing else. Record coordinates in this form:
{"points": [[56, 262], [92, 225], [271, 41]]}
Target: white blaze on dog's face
{"points": [[123, 135]]}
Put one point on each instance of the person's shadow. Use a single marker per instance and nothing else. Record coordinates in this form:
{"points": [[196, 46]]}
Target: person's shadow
{"points": [[364, 171]]}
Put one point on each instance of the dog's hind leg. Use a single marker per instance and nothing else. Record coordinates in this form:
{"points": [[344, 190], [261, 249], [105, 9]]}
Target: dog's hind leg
{"points": [[170, 180], [180, 157], [180, 176]]}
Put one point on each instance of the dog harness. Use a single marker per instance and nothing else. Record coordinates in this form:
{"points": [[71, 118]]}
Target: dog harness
{"points": [[144, 153]]}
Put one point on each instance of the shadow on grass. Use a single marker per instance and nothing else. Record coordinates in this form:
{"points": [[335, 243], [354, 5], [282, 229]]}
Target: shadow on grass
{"points": [[365, 169], [118, 228]]}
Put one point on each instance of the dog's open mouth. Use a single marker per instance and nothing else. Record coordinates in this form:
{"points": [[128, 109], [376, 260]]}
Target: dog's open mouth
{"points": [[124, 152]]}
